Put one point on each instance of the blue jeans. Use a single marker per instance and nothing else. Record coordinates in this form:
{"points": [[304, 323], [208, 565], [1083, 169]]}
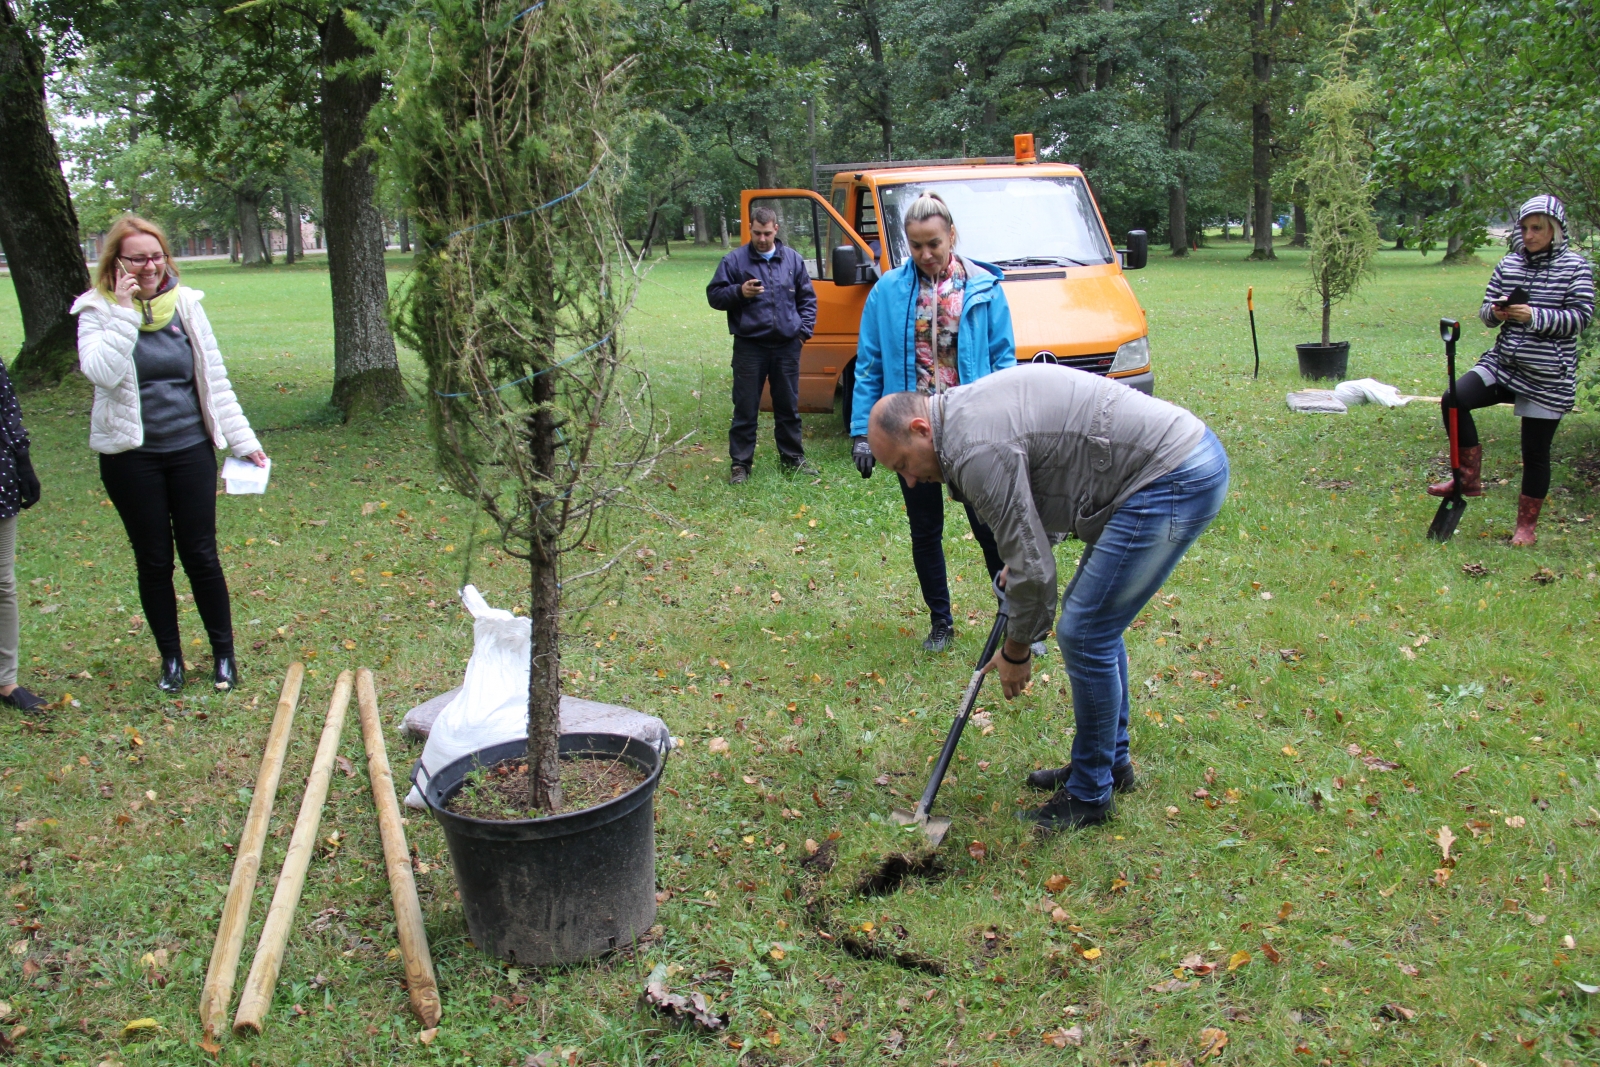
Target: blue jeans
{"points": [[1116, 577]]}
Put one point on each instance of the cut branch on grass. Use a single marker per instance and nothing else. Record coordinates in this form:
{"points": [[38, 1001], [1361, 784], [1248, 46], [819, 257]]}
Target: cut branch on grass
{"points": [[501, 136]]}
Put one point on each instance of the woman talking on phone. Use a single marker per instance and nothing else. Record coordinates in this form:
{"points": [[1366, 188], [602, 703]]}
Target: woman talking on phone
{"points": [[162, 405], [1541, 297]]}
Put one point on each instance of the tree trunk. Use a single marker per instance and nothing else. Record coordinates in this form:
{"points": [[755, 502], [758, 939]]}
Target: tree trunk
{"points": [[1104, 69], [1327, 317], [722, 224], [1300, 239], [366, 373], [253, 248], [701, 237], [544, 610], [405, 232], [233, 246], [1262, 26], [1248, 229], [38, 227], [289, 221], [766, 172], [1178, 217]]}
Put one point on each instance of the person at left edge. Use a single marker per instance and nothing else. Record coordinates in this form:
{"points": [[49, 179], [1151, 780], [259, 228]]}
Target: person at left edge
{"points": [[162, 404], [19, 490], [772, 311]]}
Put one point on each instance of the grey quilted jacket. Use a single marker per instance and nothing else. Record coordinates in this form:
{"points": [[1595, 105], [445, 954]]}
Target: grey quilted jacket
{"points": [[1040, 450]]}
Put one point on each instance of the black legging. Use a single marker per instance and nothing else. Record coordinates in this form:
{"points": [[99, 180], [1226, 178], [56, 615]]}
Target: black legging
{"points": [[1536, 433], [164, 497], [925, 512]]}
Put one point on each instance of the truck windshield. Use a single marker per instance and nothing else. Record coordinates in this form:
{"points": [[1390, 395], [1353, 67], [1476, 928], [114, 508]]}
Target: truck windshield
{"points": [[1010, 222]]}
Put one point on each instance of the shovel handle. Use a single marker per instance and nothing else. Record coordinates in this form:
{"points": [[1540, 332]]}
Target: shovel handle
{"points": [[996, 635], [1450, 333]]}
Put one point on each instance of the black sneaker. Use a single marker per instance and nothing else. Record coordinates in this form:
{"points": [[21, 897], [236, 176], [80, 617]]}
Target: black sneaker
{"points": [[739, 475], [1122, 778], [21, 698], [939, 638], [1066, 812]]}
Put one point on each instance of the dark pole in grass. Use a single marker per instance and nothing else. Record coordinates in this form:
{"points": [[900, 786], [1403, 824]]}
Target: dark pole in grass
{"points": [[1250, 302]]}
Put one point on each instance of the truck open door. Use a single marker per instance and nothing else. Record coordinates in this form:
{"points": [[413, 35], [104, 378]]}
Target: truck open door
{"points": [[808, 224]]}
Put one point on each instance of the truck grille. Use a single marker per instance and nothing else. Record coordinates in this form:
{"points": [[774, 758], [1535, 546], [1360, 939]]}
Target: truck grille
{"points": [[1095, 364]]}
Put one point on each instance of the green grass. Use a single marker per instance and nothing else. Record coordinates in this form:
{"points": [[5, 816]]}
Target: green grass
{"points": [[783, 617]]}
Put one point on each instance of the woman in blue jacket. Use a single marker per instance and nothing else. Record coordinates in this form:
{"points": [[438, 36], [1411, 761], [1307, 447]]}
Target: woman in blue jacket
{"points": [[936, 321]]}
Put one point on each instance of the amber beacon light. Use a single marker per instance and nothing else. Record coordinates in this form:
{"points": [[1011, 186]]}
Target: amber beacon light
{"points": [[1023, 143]]}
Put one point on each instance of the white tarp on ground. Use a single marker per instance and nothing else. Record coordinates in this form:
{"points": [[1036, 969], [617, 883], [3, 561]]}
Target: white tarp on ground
{"points": [[1346, 395], [491, 705]]}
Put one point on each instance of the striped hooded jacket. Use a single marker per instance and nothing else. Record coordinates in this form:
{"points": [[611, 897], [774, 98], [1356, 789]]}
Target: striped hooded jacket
{"points": [[1539, 361]]}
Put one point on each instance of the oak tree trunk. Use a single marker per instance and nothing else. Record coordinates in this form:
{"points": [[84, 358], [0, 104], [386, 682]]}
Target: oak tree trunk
{"points": [[290, 225], [405, 232], [701, 237], [722, 224], [1262, 27], [253, 247], [766, 172], [1178, 217], [1301, 238], [366, 372], [38, 227]]}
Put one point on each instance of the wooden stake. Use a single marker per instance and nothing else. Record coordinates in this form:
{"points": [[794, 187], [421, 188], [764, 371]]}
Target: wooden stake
{"points": [[420, 982], [256, 999], [241, 888]]}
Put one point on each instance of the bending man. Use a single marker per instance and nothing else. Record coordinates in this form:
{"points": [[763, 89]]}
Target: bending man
{"points": [[1038, 450]]}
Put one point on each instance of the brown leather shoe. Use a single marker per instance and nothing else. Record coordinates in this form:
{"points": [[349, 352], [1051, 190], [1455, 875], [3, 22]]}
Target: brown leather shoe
{"points": [[1527, 518], [1471, 475]]}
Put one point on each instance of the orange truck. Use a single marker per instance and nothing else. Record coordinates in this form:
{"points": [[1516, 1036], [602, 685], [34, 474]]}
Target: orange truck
{"points": [[1039, 222]]}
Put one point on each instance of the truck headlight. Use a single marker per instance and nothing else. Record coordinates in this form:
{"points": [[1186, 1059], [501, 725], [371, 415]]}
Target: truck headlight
{"points": [[1133, 355]]}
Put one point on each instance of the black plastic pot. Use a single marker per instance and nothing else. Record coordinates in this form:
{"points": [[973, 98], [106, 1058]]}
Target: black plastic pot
{"points": [[563, 888], [1324, 361]]}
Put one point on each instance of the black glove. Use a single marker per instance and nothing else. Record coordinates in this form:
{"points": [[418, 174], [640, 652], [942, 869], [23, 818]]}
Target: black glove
{"points": [[861, 452], [27, 481]]}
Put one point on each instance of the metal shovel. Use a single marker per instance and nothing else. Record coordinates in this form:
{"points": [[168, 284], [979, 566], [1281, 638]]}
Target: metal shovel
{"points": [[934, 828], [1448, 517]]}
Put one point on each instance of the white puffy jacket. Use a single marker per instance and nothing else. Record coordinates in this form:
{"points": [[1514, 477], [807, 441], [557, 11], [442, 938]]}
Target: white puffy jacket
{"points": [[107, 333]]}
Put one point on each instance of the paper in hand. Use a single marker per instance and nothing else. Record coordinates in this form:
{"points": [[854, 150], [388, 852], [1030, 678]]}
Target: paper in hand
{"points": [[243, 477]]}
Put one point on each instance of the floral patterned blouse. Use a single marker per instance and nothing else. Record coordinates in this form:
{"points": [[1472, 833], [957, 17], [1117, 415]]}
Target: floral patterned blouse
{"points": [[939, 303]]}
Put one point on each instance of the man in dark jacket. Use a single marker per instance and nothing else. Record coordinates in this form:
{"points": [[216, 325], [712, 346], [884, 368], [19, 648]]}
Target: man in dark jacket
{"points": [[772, 311]]}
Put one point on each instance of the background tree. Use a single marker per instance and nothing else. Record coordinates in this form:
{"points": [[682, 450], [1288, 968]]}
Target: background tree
{"points": [[38, 227]]}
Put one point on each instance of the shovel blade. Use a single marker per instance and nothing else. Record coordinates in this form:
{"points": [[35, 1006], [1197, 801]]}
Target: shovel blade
{"points": [[934, 827], [1447, 518]]}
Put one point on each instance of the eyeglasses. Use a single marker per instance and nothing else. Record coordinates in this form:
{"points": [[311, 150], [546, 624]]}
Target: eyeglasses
{"points": [[141, 262]]}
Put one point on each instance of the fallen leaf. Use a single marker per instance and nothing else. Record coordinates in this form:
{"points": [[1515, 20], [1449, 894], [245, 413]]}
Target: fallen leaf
{"points": [[1585, 987], [693, 1010], [811, 847], [1465, 770], [1378, 763], [349, 647], [1237, 960], [346, 766], [1478, 826], [777, 597], [1441, 875], [1283, 911], [1196, 964], [1058, 914], [139, 1026], [209, 1047], [1516, 822], [1057, 882], [1397, 1012], [1091, 953], [1290, 751], [978, 851], [718, 746], [1272, 954], [367, 509], [1445, 839], [1352, 749], [1409, 970], [427, 1036], [894, 1041], [1174, 985], [1212, 1041], [1063, 1037]]}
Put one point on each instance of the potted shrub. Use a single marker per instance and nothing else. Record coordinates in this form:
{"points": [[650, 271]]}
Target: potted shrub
{"points": [[1337, 171], [515, 305]]}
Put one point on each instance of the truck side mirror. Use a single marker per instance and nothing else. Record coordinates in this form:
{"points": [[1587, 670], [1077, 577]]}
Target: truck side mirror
{"points": [[1137, 254], [848, 269]]}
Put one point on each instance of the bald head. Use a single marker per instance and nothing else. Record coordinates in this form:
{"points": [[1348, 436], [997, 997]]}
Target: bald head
{"points": [[901, 436]]}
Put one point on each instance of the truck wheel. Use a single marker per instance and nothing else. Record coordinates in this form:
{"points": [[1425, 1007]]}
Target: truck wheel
{"points": [[847, 390]]}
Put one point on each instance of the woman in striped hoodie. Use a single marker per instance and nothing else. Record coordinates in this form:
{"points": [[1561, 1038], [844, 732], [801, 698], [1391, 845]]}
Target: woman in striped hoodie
{"points": [[1541, 297]]}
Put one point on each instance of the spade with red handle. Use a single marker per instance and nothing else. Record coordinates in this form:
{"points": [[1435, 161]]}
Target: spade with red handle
{"points": [[1448, 517]]}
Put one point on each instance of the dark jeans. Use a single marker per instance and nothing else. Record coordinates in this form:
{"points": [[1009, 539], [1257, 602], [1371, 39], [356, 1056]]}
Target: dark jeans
{"points": [[777, 364], [925, 511], [167, 497], [1536, 433]]}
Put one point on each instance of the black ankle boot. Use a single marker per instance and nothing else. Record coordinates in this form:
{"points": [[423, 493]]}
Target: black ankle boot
{"points": [[1066, 812], [226, 676], [1123, 779], [171, 674]]}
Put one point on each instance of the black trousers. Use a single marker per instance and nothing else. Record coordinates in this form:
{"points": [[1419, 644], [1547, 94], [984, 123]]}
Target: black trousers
{"points": [[166, 498], [777, 364], [925, 510], [1536, 433]]}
